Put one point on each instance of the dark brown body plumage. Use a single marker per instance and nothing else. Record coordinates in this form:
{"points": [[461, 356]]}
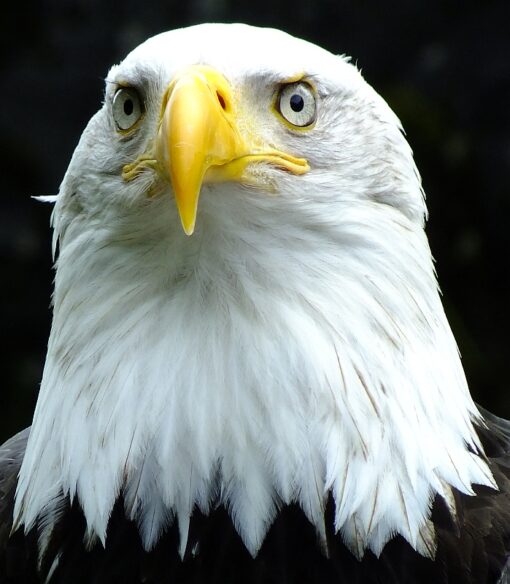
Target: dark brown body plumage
{"points": [[473, 547]]}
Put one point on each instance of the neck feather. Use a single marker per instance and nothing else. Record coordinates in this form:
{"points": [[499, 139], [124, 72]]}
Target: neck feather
{"points": [[256, 370]]}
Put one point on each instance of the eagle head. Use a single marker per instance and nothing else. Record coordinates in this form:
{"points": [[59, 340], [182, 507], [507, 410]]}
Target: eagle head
{"points": [[245, 311]]}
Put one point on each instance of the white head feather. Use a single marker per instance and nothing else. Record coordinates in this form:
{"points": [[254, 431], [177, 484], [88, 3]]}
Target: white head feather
{"points": [[294, 346]]}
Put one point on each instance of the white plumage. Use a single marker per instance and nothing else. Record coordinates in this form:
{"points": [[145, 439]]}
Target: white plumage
{"points": [[295, 345]]}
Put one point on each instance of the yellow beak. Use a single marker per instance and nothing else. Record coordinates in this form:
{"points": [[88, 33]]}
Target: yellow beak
{"points": [[195, 135], [199, 140]]}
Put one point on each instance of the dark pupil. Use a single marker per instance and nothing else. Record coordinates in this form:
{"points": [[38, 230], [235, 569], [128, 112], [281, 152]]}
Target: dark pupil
{"points": [[128, 107], [297, 103]]}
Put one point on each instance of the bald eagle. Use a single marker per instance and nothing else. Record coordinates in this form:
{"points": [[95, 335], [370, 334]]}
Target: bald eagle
{"points": [[250, 377]]}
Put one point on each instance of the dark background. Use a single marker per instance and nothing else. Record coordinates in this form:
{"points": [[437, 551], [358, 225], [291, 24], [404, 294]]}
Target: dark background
{"points": [[443, 66]]}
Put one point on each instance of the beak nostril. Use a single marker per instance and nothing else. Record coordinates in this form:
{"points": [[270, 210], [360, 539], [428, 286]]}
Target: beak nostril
{"points": [[221, 99]]}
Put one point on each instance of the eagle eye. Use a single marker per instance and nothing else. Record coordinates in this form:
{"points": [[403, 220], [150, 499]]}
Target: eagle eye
{"points": [[127, 108], [296, 103]]}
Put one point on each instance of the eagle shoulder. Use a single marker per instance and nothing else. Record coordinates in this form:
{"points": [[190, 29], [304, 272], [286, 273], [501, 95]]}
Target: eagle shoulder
{"points": [[481, 538], [473, 547], [11, 456]]}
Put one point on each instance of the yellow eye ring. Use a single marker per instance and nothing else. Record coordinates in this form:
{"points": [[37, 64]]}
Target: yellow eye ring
{"points": [[127, 108], [297, 104]]}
